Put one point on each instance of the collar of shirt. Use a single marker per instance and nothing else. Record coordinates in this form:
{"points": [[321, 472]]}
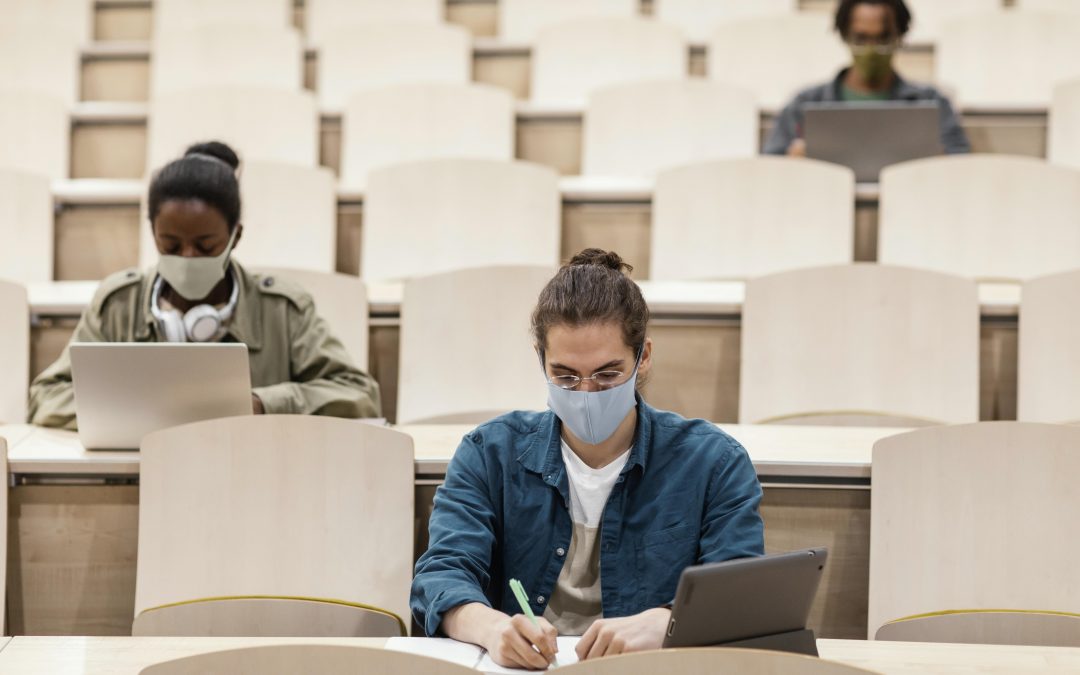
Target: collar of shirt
{"points": [[899, 91]]}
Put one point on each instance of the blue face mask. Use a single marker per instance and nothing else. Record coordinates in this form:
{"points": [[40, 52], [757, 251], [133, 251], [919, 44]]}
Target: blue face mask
{"points": [[593, 416]]}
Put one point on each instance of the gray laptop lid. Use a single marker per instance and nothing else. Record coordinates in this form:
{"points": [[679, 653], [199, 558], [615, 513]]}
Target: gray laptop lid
{"points": [[124, 391], [869, 136], [746, 598]]}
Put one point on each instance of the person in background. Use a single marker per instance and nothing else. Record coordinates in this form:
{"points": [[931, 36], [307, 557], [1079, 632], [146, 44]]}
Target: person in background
{"points": [[197, 293], [596, 505], [874, 30]]}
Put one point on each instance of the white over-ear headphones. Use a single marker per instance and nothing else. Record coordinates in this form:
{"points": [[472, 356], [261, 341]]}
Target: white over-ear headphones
{"points": [[202, 323]]}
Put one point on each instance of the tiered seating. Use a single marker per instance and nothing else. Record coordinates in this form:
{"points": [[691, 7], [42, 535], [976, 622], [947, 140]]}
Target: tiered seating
{"points": [[1063, 142], [26, 227], [323, 17], [699, 18], [523, 20], [34, 133], [14, 352]]}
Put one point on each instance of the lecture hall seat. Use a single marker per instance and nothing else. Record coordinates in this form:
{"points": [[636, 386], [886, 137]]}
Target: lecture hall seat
{"points": [[617, 51], [44, 63], [473, 213], [698, 18], [466, 353], [972, 518], [223, 55], [641, 128], [323, 17], [35, 132], [14, 354], [259, 123], [322, 659], [1008, 58], [180, 15], [26, 227], [363, 58], [1048, 360], [408, 123], [520, 21], [750, 217], [862, 344], [988, 217], [227, 507], [928, 16], [1063, 136], [711, 660]]}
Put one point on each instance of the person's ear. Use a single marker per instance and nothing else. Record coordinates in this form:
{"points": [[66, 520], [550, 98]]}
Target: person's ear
{"points": [[645, 365], [239, 235]]}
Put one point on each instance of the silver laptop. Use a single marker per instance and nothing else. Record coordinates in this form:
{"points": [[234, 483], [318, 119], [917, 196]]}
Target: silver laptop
{"points": [[760, 603], [125, 390], [869, 136]]}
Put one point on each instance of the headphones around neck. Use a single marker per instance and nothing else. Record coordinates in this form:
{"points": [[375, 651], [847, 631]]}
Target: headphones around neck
{"points": [[201, 323]]}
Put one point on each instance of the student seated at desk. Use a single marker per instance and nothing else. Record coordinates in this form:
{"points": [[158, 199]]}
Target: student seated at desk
{"points": [[196, 293], [873, 29], [596, 505]]}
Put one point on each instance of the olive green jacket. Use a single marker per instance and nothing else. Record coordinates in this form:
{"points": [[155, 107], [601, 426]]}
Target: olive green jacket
{"points": [[297, 366]]}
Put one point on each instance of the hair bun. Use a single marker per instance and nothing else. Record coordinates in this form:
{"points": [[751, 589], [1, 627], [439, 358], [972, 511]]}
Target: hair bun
{"points": [[216, 150], [601, 258]]}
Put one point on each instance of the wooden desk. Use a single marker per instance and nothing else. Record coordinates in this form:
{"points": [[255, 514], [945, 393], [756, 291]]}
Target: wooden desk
{"points": [[74, 519], [128, 655]]}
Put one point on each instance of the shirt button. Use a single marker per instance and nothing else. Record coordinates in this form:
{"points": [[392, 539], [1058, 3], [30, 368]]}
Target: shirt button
{"points": [[540, 599], [560, 551]]}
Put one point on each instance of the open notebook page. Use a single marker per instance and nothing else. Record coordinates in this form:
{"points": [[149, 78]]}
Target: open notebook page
{"points": [[446, 649], [566, 656]]}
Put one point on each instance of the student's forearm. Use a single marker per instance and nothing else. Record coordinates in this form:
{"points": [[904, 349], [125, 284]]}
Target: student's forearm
{"points": [[472, 622]]}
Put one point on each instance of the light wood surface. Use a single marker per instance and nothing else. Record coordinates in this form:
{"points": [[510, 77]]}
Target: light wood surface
{"points": [[1013, 57], [1048, 363], [640, 129], [180, 15], [226, 508], [289, 659], [409, 123], [618, 50], [14, 351], [466, 354], [341, 299], [26, 229], [34, 133], [693, 661], [322, 17], [266, 617], [224, 56], [259, 123], [993, 627], [931, 15], [361, 58], [72, 20], [775, 57], [474, 213], [29, 655], [1063, 136], [43, 62], [740, 229], [857, 342], [698, 18], [521, 21], [701, 299], [776, 450], [975, 501], [981, 216]]}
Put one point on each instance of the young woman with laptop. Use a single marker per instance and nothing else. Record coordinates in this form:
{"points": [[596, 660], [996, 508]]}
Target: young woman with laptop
{"points": [[198, 294]]}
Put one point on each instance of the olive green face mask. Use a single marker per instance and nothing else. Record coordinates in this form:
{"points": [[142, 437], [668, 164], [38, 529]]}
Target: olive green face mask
{"points": [[872, 64]]}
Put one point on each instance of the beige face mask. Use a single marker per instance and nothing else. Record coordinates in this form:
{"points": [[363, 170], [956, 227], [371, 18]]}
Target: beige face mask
{"points": [[874, 64], [194, 278]]}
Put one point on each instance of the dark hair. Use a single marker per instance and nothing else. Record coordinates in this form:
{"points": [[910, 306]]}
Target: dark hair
{"points": [[206, 172], [900, 11], [592, 288]]}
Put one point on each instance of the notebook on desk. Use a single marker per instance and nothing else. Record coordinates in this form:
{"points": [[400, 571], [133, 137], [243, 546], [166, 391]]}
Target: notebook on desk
{"points": [[472, 656], [124, 391]]}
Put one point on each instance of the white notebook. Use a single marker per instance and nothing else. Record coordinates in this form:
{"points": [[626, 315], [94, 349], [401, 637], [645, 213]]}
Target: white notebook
{"points": [[471, 656]]}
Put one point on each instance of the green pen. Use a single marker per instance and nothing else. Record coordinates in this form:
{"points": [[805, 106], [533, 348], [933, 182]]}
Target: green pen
{"points": [[523, 600]]}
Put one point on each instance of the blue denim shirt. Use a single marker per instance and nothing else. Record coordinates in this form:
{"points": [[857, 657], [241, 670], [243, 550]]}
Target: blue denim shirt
{"points": [[687, 495]]}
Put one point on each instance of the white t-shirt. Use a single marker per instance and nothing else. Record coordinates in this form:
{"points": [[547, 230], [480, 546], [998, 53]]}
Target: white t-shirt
{"points": [[576, 601]]}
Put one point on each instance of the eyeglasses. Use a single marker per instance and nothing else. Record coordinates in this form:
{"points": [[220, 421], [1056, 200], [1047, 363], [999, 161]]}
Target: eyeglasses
{"points": [[605, 379]]}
